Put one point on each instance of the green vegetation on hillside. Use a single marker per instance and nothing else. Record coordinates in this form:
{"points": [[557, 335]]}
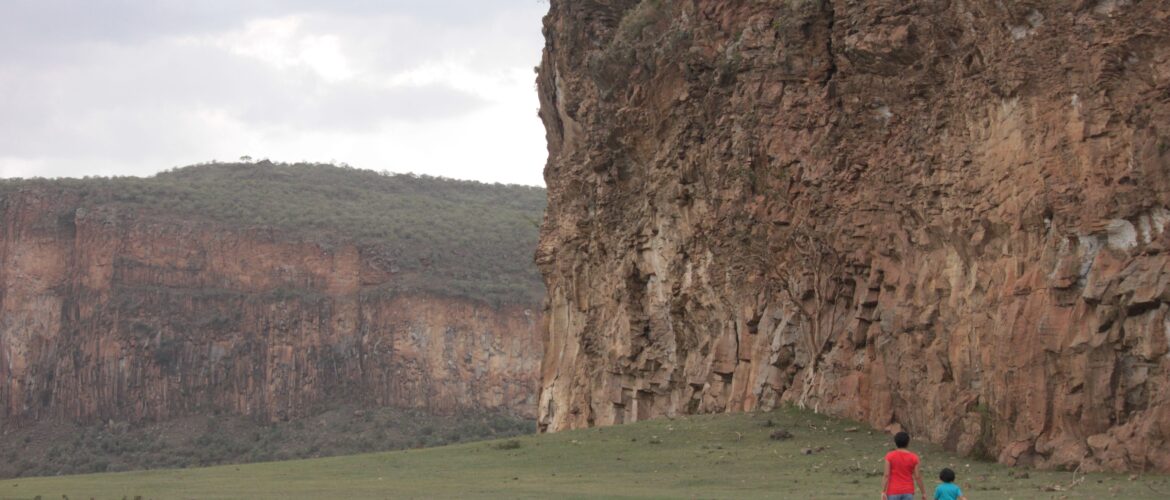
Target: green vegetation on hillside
{"points": [[446, 236], [722, 456]]}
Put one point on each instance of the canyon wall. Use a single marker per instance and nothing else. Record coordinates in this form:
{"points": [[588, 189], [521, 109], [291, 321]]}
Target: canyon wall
{"points": [[948, 217], [113, 314]]}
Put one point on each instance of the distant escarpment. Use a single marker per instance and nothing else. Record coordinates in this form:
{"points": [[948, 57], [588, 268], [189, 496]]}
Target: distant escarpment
{"points": [[268, 291], [949, 217]]}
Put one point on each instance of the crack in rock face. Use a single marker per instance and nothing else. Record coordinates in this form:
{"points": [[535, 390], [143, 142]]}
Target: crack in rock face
{"points": [[946, 218]]}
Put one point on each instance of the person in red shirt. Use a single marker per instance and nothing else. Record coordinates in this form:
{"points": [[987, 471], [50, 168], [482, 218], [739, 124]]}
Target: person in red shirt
{"points": [[901, 472]]}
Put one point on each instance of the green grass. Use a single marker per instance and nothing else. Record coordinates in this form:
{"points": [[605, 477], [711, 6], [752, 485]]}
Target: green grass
{"points": [[53, 448], [725, 456]]}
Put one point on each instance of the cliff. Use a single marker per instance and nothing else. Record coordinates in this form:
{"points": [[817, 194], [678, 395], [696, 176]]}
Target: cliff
{"points": [[124, 313], [948, 217]]}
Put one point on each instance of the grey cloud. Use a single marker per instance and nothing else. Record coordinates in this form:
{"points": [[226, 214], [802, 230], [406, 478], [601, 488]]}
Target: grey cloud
{"points": [[390, 43], [388, 35], [356, 107], [104, 82], [126, 100], [29, 23]]}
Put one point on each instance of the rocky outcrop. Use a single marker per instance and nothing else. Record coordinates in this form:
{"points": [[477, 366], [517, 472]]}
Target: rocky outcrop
{"points": [[945, 216], [110, 314]]}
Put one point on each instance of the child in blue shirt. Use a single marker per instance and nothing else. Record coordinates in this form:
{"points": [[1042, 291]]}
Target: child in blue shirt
{"points": [[947, 490]]}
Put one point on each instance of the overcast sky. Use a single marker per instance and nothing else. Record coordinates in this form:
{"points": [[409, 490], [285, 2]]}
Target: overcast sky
{"points": [[132, 87]]}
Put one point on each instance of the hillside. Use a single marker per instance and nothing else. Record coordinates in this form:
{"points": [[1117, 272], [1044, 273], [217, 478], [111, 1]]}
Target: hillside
{"points": [[445, 236], [725, 456], [951, 217], [258, 295]]}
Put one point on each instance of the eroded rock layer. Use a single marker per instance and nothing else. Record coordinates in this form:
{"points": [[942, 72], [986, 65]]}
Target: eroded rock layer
{"points": [[111, 315], [945, 216]]}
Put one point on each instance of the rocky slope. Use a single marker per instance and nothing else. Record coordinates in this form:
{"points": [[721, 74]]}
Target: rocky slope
{"points": [[949, 217], [115, 314]]}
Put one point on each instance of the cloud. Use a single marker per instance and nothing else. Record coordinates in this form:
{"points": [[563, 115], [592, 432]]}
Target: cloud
{"points": [[43, 27], [401, 85], [280, 43], [145, 91]]}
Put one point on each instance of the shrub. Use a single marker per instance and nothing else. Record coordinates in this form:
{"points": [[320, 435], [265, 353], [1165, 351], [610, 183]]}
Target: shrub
{"points": [[511, 444]]}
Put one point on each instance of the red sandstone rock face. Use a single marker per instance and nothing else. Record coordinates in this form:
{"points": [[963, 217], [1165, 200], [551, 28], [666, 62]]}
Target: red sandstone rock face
{"points": [[949, 216], [107, 315]]}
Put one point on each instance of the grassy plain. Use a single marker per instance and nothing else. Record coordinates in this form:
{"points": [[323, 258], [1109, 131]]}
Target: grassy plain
{"points": [[722, 456]]}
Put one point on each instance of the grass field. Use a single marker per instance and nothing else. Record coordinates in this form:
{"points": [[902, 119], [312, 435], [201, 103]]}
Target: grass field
{"points": [[723, 456], [53, 448]]}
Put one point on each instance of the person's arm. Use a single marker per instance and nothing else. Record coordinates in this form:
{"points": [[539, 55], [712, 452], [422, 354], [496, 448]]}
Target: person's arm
{"points": [[886, 479], [918, 479]]}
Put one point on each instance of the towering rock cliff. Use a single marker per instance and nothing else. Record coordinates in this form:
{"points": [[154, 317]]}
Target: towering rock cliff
{"points": [[945, 216], [114, 312]]}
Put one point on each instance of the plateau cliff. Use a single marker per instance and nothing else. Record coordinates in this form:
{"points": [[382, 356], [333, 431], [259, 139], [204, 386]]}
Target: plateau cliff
{"points": [[200, 292], [949, 217]]}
